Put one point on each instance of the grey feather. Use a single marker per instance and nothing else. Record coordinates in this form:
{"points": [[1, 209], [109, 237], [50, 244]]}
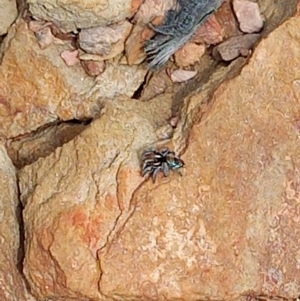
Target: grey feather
{"points": [[180, 25]]}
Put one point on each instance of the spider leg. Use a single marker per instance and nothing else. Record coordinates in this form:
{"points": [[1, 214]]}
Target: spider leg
{"points": [[155, 173], [148, 152], [149, 161], [165, 169], [165, 151], [171, 153], [147, 170]]}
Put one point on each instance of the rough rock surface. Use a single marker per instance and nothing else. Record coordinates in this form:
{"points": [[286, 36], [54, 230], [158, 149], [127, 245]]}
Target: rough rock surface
{"points": [[248, 16], [36, 86], [8, 14], [42, 143], [93, 178], [71, 15], [228, 229], [12, 285], [105, 41]]}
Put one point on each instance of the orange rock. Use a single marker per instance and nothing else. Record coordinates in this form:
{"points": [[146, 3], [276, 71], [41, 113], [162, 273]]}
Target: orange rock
{"points": [[236, 202], [12, 284], [134, 47], [210, 33], [225, 230], [93, 68], [156, 84], [84, 14], [151, 9], [37, 87], [135, 4], [218, 27], [189, 54], [77, 220], [226, 19]]}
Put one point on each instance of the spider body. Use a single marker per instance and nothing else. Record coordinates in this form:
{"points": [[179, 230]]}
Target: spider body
{"points": [[155, 161]]}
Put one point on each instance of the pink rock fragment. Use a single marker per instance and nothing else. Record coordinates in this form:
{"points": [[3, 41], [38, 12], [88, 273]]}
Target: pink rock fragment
{"points": [[248, 15], [44, 37], [210, 33], [105, 41], [93, 68], [235, 47], [179, 76], [35, 26], [70, 57]]}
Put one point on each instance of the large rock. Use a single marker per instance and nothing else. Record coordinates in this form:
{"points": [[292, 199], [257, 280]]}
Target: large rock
{"points": [[228, 229], [81, 195], [12, 285], [38, 88], [8, 14], [81, 14]]}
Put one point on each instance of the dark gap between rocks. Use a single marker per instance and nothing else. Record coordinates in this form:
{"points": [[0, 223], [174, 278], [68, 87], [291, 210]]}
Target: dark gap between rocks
{"points": [[29, 148], [2, 38], [261, 297], [137, 94], [21, 249], [22, 6]]}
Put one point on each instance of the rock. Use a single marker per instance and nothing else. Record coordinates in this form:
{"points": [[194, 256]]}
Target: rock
{"points": [[229, 224], [134, 47], [72, 15], [135, 4], [225, 230], [235, 47], [41, 143], [248, 15], [70, 57], [45, 37], [118, 80], [12, 284], [107, 42], [149, 11], [210, 32], [8, 14], [189, 54], [156, 84], [51, 90], [226, 19], [180, 75], [235, 208], [77, 190], [93, 68]]}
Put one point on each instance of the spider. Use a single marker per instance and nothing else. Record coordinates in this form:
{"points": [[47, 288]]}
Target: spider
{"points": [[162, 160]]}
